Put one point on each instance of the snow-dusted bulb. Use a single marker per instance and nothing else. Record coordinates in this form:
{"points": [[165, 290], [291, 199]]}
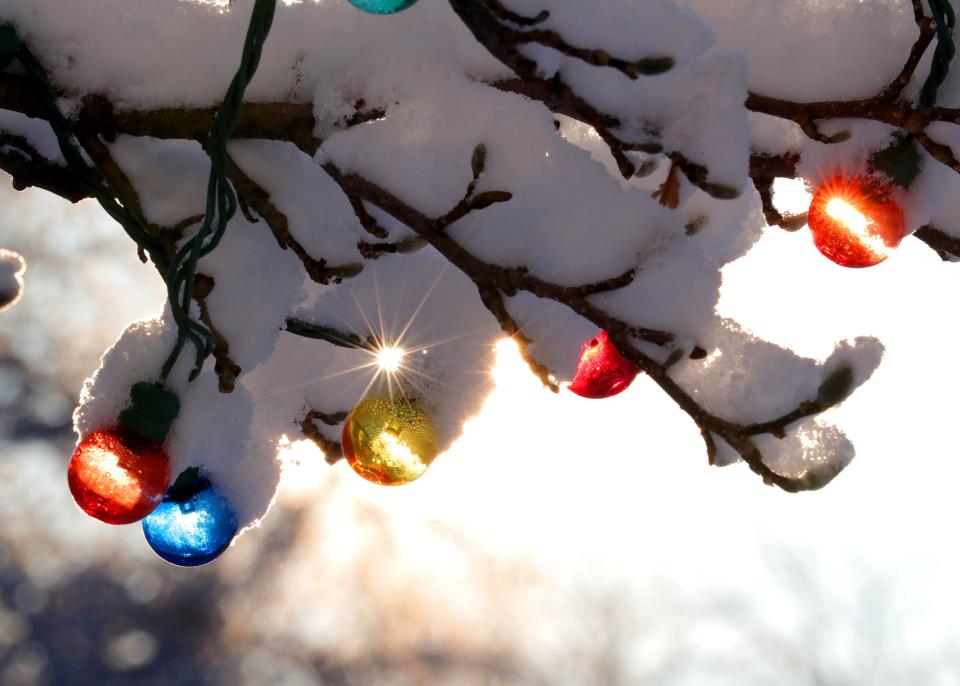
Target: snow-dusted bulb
{"points": [[603, 371], [193, 524], [855, 222], [118, 477], [119, 474], [382, 6], [389, 441]]}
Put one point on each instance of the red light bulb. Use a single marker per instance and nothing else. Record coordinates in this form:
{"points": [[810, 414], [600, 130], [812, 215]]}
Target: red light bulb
{"points": [[117, 477], [855, 222], [603, 371]]}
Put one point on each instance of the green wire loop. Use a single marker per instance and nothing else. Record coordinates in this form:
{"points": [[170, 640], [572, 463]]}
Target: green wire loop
{"points": [[180, 271], [944, 19], [221, 199]]}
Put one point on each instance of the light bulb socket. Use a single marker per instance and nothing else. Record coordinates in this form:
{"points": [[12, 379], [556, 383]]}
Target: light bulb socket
{"points": [[190, 482], [901, 161], [152, 411]]}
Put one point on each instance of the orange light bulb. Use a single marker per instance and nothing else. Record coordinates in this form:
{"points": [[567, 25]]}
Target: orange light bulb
{"points": [[855, 222]]}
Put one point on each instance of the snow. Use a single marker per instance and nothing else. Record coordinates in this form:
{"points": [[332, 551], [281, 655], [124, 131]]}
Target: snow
{"points": [[695, 109], [283, 171], [810, 50], [417, 303], [36, 131], [214, 431], [629, 30], [572, 219], [746, 379], [12, 267], [555, 331], [813, 451], [820, 162]]}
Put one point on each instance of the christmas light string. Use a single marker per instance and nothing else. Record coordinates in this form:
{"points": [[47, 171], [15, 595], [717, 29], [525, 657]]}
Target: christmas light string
{"points": [[945, 19], [180, 271]]}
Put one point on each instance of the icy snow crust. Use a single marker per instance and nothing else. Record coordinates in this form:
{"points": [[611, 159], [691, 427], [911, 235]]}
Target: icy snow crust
{"points": [[572, 220]]}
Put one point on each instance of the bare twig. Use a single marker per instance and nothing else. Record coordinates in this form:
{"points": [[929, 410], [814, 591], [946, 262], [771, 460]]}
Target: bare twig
{"points": [[332, 450], [893, 90], [224, 367], [492, 280], [947, 246], [492, 299], [508, 280], [31, 169], [259, 201]]}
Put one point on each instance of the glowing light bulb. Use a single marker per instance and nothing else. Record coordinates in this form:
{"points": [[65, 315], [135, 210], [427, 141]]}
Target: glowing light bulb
{"points": [[118, 477], [602, 372], [390, 358], [389, 441], [193, 525], [854, 221], [382, 6]]}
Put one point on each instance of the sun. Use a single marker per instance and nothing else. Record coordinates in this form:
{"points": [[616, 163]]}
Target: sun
{"points": [[390, 358]]}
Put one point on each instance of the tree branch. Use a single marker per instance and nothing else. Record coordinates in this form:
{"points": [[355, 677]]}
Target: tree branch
{"points": [[224, 367], [29, 168], [492, 279], [508, 280], [503, 33], [947, 246], [332, 450], [492, 299], [259, 201]]}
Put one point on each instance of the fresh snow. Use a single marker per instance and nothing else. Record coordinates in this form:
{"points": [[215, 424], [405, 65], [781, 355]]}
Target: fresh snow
{"points": [[573, 219]]}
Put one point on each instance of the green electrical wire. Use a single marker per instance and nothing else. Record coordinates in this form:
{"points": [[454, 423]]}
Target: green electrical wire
{"points": [[221, 198], [944, 19], [11, 47], [180, 271]]}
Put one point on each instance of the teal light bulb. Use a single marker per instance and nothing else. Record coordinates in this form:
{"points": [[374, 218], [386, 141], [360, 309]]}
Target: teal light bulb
{"points": [[382, 6]]}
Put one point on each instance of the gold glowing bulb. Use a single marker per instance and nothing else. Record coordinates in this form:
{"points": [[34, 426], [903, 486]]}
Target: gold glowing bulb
{"points": [[389, 441]]}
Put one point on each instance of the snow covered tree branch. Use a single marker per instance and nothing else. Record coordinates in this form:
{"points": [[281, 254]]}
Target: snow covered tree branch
{"points": [[477, 170]]}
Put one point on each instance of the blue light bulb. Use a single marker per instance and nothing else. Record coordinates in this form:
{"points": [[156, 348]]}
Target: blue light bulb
{"points": [[193, 524], [382, 6]]}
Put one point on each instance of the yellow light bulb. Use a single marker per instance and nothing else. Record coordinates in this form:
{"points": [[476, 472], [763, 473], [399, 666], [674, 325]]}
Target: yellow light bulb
{"points": [[389, 441]]}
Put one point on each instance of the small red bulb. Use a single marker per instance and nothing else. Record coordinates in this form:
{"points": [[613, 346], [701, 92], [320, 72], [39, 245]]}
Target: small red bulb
{"points": [[603, 371], [855, 222], [117, 477]]}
